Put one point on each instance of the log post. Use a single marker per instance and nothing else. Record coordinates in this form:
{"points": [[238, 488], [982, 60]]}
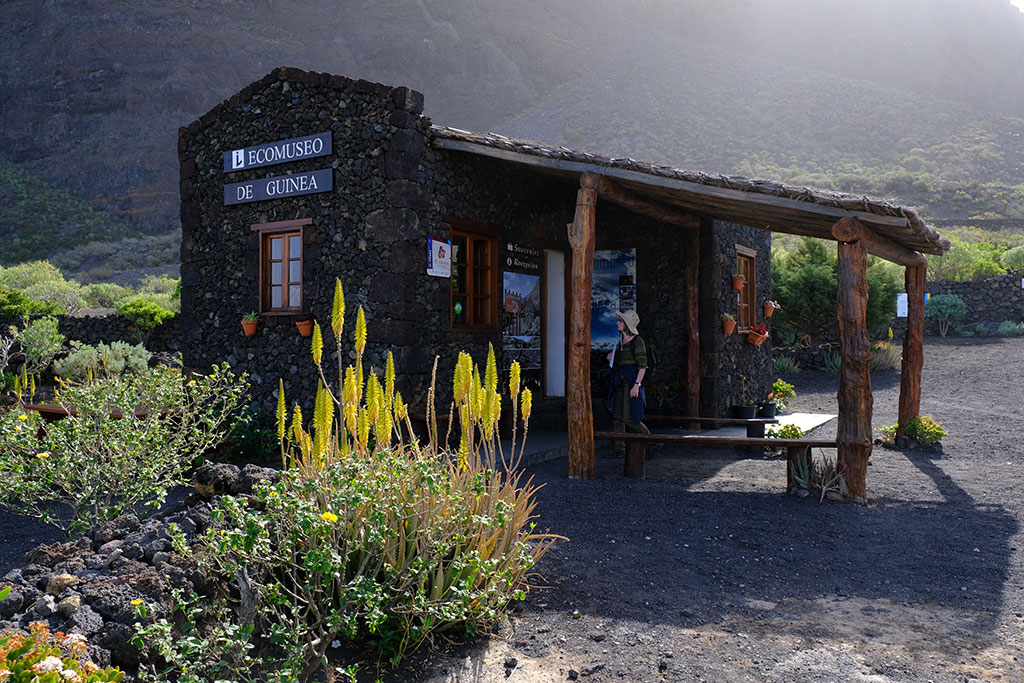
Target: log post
{"points": [[691, 274], [853, 432], [913, 349], [633, 467], [579, 402]]}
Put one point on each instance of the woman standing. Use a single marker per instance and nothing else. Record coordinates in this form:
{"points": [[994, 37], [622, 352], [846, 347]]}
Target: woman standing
{"points": [[628, 363]]}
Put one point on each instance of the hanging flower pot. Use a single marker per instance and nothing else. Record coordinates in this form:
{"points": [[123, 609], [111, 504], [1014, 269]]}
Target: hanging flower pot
{"points": [[737, 282], [305, 325], [757, 335], [728, 326], [770, 307]]}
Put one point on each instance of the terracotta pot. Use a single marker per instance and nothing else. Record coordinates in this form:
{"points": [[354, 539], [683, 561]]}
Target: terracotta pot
{"points": [[249, 327], [768, 310], [737, 282], [728, 326], [305, 327], [756, 339]]}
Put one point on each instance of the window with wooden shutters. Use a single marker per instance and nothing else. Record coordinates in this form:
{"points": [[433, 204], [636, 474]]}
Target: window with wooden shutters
{"points": [[745, 266], [281, 266], [474, 299]]}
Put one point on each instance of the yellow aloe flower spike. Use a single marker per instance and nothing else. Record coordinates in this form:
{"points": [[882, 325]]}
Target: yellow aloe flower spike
{"points": [[32, 385], [491, 373], [338, 309], [360, 331], [514, 377], [401, 410], [389, 380], [24, 376], [17, 388], [348, 390], [527, 404], [318, 344], [297, 423], [281, 410], [363, 428], [372, 398]]}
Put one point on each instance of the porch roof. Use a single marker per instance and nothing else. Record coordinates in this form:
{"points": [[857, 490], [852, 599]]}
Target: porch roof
{"points": [[755, 203]]}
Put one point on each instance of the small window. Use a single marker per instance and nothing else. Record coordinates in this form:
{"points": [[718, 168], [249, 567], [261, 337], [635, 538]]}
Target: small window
{"points": [[745, 266], [281, 266], [474, 269]]}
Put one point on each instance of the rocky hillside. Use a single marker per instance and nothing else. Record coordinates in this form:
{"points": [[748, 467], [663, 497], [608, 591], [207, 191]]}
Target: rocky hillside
{"points": [[92, 93]]}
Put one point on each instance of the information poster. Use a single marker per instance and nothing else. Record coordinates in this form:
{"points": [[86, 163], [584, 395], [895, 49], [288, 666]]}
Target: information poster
{"points": [[520, 326], [439, 257], [614, 290]]}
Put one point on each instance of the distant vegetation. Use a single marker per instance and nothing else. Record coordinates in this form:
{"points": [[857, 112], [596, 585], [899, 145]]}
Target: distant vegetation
{"points": [[39, 287], [40, 221]]}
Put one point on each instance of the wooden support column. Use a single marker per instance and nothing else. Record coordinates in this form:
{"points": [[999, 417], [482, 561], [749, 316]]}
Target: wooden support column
{"points": [[691, 274], [913, 349], [853, 433], [579, 402]]}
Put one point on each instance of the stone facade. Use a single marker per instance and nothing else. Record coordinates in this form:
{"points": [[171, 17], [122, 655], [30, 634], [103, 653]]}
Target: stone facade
{"points": [[109, 328], [990, 301], [392, 191]]}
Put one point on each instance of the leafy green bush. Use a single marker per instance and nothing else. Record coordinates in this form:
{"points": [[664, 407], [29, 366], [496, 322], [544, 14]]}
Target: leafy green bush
{"points": [[14, 304], [1008, 328], [93, 466], [371, 538], [945, 309], [25, 275], [964, 261], [103, 360], [41, 341], [804, 282], [924, 430], [1013, 259], [981, 330], [46, 657], [782, 393], [143, 314], [65, 294], [787, 431], [105, 294]]}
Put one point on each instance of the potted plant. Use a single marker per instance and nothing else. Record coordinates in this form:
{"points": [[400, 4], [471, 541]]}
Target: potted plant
{"points": [[744, 407], [728, 323], [758, 334], [250, 321], [305, 324], [737, 281], [770, 307]]}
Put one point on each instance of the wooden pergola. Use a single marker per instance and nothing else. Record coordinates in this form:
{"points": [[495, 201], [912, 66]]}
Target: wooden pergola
{"points": [[860, 227]]}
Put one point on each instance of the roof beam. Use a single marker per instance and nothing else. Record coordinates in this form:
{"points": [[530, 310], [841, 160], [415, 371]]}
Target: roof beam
{"points": [[850, 230], [638, 203]]}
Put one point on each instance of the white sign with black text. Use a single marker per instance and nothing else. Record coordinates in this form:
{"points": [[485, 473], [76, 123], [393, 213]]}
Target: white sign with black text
{"points": [[439, 257]]}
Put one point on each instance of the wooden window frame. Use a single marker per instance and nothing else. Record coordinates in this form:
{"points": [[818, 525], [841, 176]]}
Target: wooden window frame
{"points": [[266, 231], [475, 231], [746, 304]]}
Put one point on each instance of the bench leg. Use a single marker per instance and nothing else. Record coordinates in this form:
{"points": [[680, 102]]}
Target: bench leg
{"points": [[634, 466], [755, 430], [796, 457]]}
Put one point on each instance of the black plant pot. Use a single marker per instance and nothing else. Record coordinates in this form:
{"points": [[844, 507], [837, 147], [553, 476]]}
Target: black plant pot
{"points": [[766, 410], [744, 412]]}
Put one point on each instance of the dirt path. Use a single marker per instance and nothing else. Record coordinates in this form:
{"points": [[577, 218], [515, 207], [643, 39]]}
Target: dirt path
{"points": [[707, 571]]}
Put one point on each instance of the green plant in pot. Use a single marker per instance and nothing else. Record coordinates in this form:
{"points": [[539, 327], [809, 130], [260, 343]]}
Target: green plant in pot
{"points": [[250, 321]]}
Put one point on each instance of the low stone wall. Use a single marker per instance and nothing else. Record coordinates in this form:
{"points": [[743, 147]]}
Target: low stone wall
{"points": [[88, 586], [989, 301], [109, 328]]}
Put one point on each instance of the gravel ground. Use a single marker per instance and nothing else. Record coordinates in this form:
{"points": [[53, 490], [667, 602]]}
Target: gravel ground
{"points": [[707, 570]]}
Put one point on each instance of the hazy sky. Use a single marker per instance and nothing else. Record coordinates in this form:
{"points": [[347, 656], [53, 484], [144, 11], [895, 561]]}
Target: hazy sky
{"points": [[1018, 3]]}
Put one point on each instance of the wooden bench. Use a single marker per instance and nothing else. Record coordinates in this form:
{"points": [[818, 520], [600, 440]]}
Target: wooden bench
{"points": [[755, 425], [798, 451]]}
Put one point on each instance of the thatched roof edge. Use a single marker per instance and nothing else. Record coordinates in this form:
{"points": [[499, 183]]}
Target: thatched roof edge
{"points": [[837, 200]]}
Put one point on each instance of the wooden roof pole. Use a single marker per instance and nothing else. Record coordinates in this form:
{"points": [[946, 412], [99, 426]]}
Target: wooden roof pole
{"points": [[913, 349], [579, 403], [852, 230], [637, 203], [853, 432]]}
